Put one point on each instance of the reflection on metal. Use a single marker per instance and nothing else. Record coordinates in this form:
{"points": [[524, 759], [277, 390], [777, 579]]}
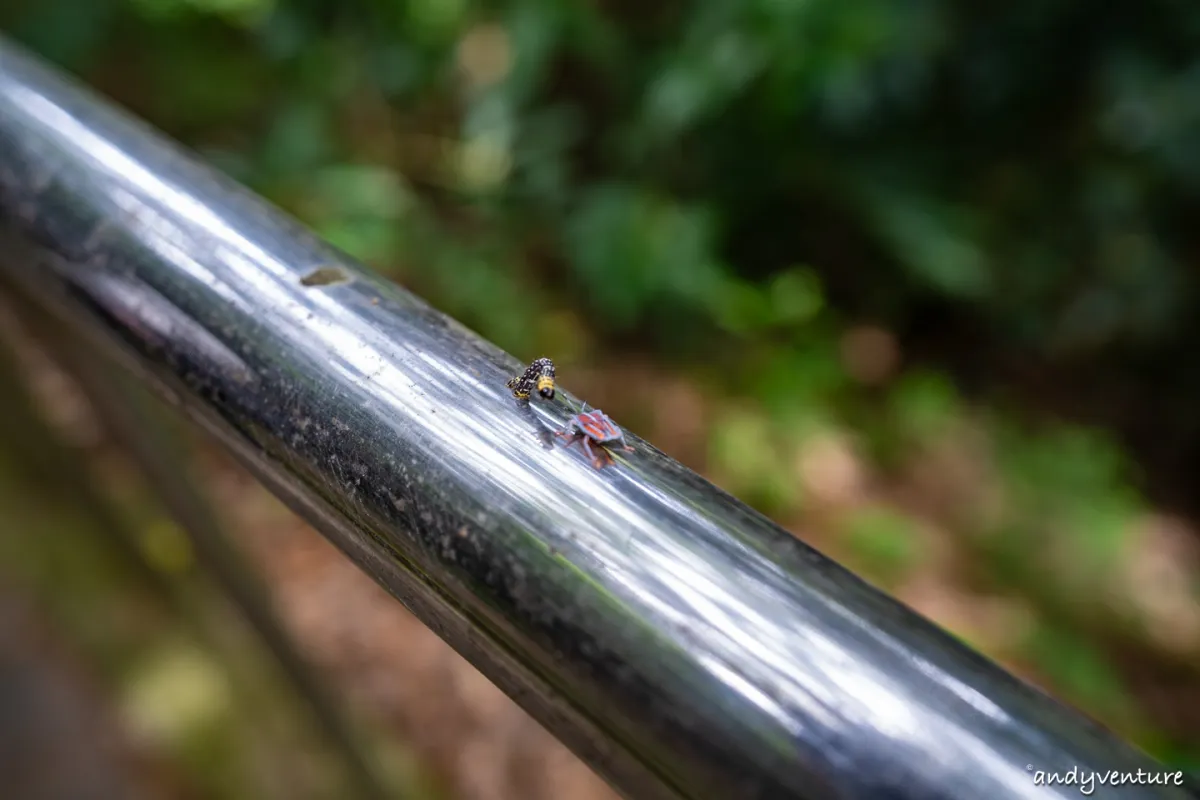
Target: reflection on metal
{"points": [[680, 642]]}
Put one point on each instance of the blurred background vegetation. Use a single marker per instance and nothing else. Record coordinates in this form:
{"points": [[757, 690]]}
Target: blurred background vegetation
{"points": [[915, 277]]}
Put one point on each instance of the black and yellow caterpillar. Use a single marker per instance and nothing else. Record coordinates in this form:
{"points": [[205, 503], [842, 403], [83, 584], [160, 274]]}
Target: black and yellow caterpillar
{"points": [[538, 375]]}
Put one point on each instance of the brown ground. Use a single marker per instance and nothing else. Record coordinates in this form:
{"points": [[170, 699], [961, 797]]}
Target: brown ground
{"points": [[395, 669], [59, 739]]}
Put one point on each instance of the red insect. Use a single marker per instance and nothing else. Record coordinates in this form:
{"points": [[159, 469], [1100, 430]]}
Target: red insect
{"points": [[594, 427]]}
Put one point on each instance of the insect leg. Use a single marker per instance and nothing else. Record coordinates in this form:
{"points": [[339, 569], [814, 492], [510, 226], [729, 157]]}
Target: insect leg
{"points": [[604, 459], [596, 462]]}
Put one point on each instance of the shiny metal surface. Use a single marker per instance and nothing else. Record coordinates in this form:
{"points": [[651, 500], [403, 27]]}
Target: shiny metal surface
{"points": [[680, 642]]}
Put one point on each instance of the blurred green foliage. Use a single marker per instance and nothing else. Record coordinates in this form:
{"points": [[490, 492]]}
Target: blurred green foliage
{"points": [[886, 541], [1029, 162], [728, 187]]}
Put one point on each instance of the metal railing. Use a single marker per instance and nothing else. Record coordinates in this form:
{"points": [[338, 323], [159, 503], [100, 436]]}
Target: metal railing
{"points": [[684, 645]]}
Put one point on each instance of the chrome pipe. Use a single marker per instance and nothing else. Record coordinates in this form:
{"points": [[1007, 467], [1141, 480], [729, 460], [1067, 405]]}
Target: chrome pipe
{"points": [[681, 643]]}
